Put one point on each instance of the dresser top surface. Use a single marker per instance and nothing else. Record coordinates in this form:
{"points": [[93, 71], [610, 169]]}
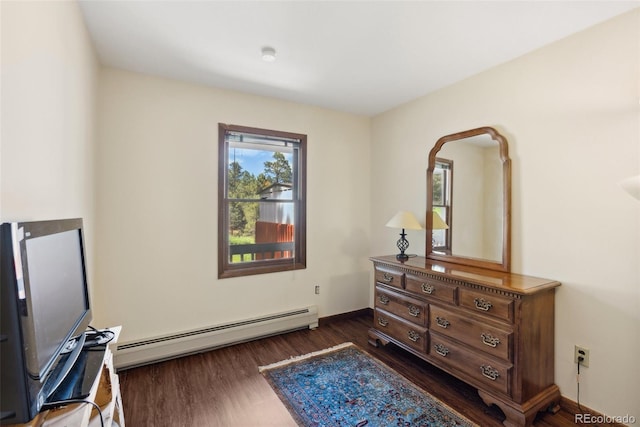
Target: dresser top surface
{"points": [[511, 282]]}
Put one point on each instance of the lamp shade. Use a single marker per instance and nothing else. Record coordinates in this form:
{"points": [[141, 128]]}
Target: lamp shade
{"points": [[405, 220], [632, 186], [438, 223]]}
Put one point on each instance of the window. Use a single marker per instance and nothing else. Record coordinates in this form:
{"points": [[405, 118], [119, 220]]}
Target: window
{"points": [[442, 190], [261, 201]]}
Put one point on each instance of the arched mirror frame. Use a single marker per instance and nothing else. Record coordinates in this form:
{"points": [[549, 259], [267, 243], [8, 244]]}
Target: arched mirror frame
{"points": [[505, 264]]}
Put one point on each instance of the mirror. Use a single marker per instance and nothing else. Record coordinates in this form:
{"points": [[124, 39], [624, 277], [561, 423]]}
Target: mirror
{"points": [[469, 200]]}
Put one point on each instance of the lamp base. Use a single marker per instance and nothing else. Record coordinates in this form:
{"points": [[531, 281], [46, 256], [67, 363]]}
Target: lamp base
{"points": [[402, 257], [403, 245]]}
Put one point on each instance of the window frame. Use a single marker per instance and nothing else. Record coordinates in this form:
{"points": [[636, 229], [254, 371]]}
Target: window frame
{"points": [[228, 269]]}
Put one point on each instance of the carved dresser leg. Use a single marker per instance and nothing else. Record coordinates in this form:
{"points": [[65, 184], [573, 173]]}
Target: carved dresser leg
{"points": [[522, 415], [514, 417], [375, 339]]}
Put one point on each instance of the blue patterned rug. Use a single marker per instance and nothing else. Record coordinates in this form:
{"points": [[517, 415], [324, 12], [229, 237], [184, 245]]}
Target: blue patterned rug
{"points": [[343, 386]]}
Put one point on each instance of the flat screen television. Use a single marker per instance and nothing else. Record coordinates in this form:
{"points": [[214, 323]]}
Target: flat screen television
{"points": [[44, 311]]}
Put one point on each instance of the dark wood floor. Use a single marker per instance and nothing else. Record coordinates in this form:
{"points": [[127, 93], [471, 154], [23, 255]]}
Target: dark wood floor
{"points": [[223, 387]]}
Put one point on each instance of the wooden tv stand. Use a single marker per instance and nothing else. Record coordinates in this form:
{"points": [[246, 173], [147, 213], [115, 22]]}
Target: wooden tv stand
{"points": [[105, 393], [491, 329]]}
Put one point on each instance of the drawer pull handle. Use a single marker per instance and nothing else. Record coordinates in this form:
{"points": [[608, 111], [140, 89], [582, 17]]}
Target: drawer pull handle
{"points": [[414, 311], [441, 350], [489, 372], [384, 300], [482, 304], [382, 321], [387, 277], [443, 323], [489, 340], [427, 289], [413, 336]]}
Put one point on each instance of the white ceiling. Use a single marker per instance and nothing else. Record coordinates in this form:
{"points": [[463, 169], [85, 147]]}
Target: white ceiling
{"points": [[357, 56]]}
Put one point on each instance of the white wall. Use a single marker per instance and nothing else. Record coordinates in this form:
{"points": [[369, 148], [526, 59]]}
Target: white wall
{"points": [[49, 85], [157, 207], [570, 113]]}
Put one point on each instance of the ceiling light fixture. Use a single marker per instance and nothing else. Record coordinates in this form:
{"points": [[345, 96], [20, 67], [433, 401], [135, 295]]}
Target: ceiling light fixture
{"points": [[268, 54]]}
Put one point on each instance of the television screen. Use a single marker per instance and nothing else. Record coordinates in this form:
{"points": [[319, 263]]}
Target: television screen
{"points": [[58, 302]]}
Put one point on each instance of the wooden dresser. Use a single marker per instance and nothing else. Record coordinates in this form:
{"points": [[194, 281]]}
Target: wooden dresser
{"points": [[491, 329]]}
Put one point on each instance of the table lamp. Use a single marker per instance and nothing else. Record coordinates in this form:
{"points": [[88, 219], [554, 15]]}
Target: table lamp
{"points": [[403, 220]]}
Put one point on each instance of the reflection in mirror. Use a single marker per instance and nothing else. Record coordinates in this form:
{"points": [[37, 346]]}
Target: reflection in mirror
{"points": [[476, 210], [476, 221], [442, 206]]}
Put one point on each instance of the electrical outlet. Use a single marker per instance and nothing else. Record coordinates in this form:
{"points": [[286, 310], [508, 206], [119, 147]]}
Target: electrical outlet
{"points": [[317, 289], [581, 352]]}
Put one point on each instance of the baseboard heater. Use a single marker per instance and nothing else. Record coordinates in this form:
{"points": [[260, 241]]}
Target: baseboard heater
{"points": [[152, 350]]}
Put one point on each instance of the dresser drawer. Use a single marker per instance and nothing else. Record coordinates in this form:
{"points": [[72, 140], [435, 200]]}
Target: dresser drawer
{"points": [[488, 372], [389, 277], [430, 288], [473, 333], [408, 308], [406, 332], [487, 303]]}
